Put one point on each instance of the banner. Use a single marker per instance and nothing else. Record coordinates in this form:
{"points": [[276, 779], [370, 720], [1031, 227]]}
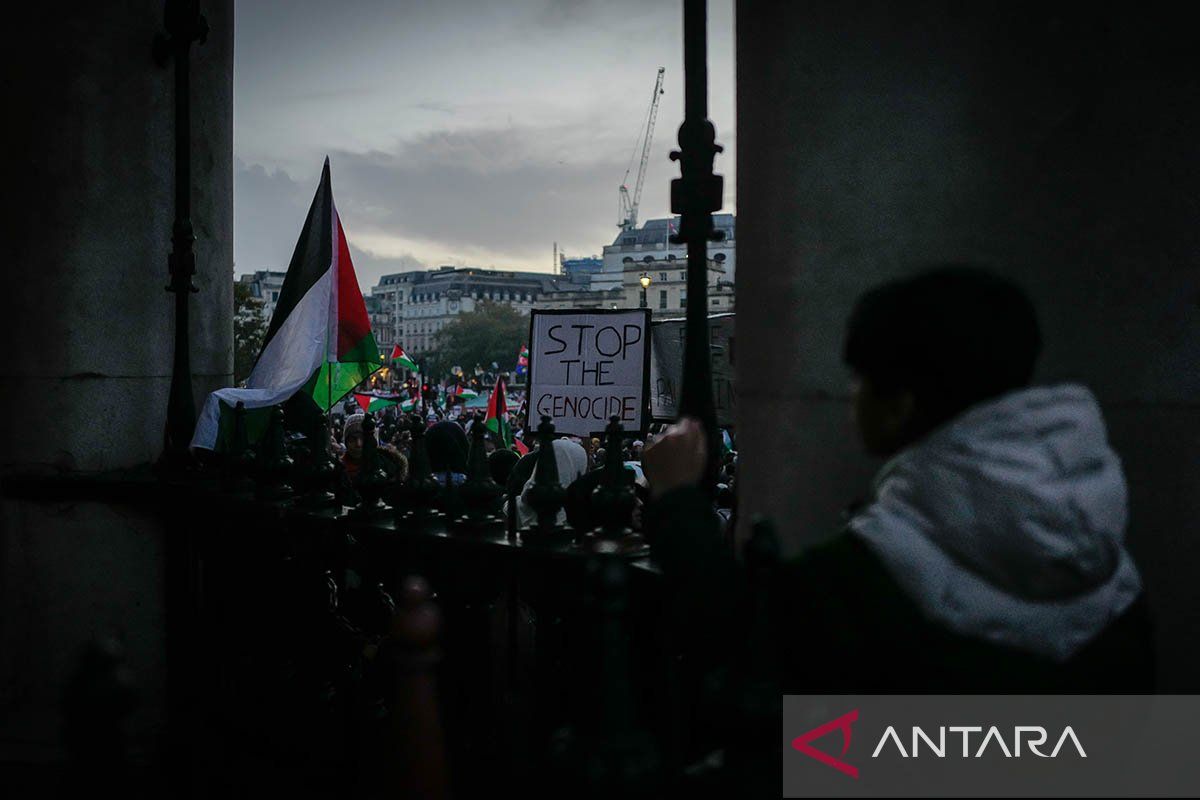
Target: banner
{"points": [[990, 746], [666, 368], [586, 366]]}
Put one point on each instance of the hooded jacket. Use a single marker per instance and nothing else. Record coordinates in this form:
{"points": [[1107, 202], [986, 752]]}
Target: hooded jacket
{"points": [[571, 460], [990, 558], [1008, 523]]}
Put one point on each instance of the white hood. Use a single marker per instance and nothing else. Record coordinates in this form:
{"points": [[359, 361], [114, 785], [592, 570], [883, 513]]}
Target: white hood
{"points": [[1008, 523], [571, 459]]}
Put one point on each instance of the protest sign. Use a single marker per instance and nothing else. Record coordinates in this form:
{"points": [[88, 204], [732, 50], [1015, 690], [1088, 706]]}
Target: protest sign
{"points": [[666, 368], [586, 366]]}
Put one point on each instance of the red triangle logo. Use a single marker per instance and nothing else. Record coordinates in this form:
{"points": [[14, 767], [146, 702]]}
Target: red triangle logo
{"points": [[842, 723]]}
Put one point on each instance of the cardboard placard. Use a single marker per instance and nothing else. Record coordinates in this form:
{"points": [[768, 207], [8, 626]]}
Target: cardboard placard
{"points": [[585, 366], [666, 368]]}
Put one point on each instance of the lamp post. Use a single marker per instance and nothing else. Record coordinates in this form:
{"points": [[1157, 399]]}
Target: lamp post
{"points": [[644, 280]]}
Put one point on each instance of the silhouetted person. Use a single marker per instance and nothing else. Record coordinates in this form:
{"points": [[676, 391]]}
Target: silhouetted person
{"points": [[990, 555]]}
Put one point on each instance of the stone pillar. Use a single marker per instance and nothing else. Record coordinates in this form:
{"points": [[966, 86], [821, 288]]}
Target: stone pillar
{"points": [[1056, 143], [88, 338], [90, 180]]}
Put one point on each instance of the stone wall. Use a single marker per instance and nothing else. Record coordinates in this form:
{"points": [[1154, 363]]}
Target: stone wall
{"points": [[88, 343], [90, 328], [1057, 143]]}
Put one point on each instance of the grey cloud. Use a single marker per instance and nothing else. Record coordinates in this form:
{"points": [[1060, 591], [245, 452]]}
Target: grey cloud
{"points": [[269, 209], [511, 192], [504, 190], [370, 266], [431, 105]]}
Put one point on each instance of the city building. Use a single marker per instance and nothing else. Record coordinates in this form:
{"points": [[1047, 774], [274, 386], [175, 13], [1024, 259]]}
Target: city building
{"points": [[380, 315], [666, 294], [409, 308], [577, 268], [651, 242], [567, 296], [422, 302], [265, 286]]}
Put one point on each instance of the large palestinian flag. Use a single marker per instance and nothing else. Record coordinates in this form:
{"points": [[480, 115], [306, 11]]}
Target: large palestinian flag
{"points": [[319, 344]]}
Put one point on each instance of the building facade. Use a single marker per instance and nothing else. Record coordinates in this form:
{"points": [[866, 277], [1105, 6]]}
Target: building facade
{"points": [[666, 296], [265, 286], [380, 315], [577, 268], [410, 308], [652, 242], [422, 302]]}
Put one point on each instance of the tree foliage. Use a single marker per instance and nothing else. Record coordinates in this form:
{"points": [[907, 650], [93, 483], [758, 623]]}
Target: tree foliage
{"points": [[493, 332], [249, 330]]}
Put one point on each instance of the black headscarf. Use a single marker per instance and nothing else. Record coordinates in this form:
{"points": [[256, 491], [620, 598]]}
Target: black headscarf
{"points": [[501, 463], [447, 446]]}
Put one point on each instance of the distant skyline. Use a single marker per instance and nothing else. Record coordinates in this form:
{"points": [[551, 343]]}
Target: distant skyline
{"points": [[463, 133]]}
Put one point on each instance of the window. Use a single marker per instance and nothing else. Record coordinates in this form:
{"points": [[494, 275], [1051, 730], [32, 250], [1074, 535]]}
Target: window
{"points": [[274, 297], [662, 276], [683, 276], [719, 257], [662, 298], [648, 259], [683, 299], [671, 257], [627, 260], [716, 302]]}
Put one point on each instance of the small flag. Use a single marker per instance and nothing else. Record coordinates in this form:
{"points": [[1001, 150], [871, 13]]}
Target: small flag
{"points": [[520, 447], [496, 420], [401, 359], [523, 360], [373, 402]]}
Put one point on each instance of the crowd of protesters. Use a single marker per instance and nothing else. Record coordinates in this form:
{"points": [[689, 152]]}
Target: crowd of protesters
{"points": [[580, 460], [989, 553]]}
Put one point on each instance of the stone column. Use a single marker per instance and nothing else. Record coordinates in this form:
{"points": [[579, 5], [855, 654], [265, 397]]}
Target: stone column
{"points": [[90, 180], [88, 337]]}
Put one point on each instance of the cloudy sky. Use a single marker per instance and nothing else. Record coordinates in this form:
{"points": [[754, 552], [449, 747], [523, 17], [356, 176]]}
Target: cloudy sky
{"points": [[459, 131]]}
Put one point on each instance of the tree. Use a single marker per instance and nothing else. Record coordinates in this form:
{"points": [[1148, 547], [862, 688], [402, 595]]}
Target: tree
{"points": [[494, 332], [249, 330]]}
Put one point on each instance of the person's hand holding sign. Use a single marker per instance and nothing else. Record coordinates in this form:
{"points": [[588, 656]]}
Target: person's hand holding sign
{"points": [[676, 458]]}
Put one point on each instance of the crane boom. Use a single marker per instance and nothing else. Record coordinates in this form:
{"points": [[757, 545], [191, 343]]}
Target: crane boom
{"points": [[629, 206]]}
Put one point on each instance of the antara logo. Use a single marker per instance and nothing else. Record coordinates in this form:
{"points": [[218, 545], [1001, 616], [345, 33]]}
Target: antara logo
{"points": [[993, 734], [1033, 737], [843, 724]]}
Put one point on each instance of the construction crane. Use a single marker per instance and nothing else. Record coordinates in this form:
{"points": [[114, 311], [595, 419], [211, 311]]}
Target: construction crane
{"points": [[628, 212]]}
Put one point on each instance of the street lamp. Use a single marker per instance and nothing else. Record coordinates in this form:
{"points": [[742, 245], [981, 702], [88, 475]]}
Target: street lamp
{"points": [[644, 280]]}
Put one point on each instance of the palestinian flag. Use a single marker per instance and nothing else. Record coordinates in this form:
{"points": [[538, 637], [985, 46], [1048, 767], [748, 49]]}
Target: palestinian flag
{"points": [[408, 405], [374, 402], [523, 360], [497, 416], [318, 346], [467, 392], [401, 359]]}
